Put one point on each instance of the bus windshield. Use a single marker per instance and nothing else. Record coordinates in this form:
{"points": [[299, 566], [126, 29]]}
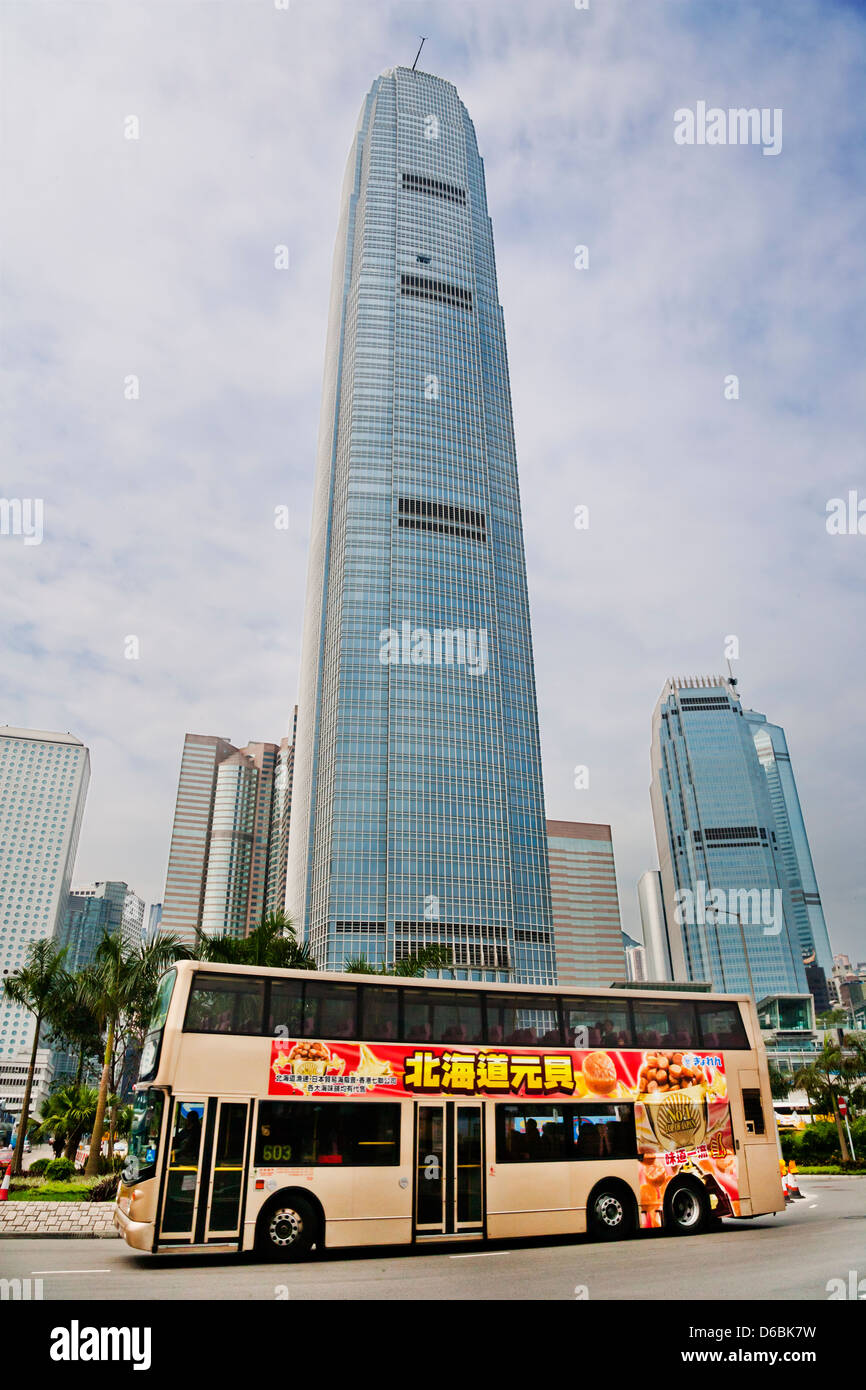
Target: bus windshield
{"points": [[163, 999], [144, 1136]]}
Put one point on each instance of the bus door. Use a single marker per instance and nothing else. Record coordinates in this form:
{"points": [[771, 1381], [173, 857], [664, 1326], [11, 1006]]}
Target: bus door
{"points": [[756, 1145], [206, 1162], [449, 1168]]}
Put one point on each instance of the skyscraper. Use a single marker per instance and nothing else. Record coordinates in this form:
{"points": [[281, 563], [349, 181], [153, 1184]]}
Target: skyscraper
{"points": [[723, 844], [96, 910], [43, 787], [586, 923], [418, 808], [228, 844]]}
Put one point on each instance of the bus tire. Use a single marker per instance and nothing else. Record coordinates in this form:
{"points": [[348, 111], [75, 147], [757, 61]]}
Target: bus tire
{"points": [[687, 1209], [287, 1227], [610, 1211]]}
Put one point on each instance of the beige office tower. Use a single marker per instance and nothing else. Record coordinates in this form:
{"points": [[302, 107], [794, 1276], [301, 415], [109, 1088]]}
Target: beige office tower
{"points": [[228, 845], [585, 903]]}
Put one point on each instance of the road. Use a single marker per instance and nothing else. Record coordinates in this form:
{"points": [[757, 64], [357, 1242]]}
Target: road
{"points": [[786, 1257]]}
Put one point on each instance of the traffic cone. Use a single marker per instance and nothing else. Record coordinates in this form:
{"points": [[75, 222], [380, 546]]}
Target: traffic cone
{"points": [[793, 1184], [783, 1174], [4, 1189]]}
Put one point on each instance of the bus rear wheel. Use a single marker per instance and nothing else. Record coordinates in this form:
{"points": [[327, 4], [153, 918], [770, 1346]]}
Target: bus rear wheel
{"points": [[611, 1214], [287, 1229], [687, 1209]]}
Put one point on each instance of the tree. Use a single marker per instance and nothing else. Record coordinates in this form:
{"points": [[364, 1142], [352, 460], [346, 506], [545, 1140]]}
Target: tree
{"points": [[116, 987], [66, 1114], [272, 943], [412, 966], [821, 1079], [781, 1083], [74, 1026], [38, 986]]}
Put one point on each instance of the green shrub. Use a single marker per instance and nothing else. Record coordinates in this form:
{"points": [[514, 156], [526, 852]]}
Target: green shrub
{"points": [[106, 1189], [110, 1165], [38, 1168], [59, 1170]]}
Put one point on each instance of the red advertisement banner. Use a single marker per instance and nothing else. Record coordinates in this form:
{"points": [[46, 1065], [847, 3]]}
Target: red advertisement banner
{"points": [[304, 1067]]}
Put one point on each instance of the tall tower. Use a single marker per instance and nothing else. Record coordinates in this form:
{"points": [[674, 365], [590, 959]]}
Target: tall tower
{"points": [[728, 903], [43, 786], [418, 810]]}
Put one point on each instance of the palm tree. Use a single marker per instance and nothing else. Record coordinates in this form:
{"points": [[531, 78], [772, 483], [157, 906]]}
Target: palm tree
{"points": [[113, 989], [412, 966], [73, 1026], [38, 986], [272, 943], [820, 1080], [66, 1114]]}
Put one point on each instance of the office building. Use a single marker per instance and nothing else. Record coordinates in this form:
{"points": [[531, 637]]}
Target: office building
{"points": [[654, 925], [227, 854], [94, 911], [418, 810], [154, 920], [43, 786], [586, 923], [728, 899]]}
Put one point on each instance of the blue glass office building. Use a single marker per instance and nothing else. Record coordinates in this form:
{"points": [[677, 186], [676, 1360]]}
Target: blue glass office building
{"points": [[735, 907], [418, 812]]}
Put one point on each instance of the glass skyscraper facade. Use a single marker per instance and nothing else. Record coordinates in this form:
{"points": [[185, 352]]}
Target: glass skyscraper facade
{"points": [[724, 844], [418, 811]]}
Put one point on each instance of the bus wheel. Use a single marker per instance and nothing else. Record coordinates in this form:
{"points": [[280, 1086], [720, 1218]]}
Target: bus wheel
{"points": [[687, 1209], [287, 1229], [611, 1213]]}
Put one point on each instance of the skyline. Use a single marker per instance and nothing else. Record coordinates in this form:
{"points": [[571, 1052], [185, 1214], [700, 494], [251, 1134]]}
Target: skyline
{"points": [[727, 263]]}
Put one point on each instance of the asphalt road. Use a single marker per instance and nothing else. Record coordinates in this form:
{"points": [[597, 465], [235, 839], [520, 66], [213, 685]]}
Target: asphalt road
{"points": [[786, 1257]]}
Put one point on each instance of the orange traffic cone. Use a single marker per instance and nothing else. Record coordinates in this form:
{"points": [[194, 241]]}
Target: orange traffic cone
{"points": [[4, 1189], [783, 1174], [793, 1184]]}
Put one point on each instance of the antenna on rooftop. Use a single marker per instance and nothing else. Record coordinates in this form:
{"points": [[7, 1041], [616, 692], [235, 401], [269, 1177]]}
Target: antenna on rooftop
{"points": [[420, 46]]}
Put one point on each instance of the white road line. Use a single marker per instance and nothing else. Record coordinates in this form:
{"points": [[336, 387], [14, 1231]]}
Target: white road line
{"points": [[480, 1254], [70, 1271], [812, 1206]]}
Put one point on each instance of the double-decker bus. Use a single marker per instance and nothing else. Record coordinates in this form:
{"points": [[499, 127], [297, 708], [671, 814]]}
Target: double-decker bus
{"points": [[279, 1110]]}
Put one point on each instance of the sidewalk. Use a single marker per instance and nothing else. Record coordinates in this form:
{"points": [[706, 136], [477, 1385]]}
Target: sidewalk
{"points": [[57, 1219]]}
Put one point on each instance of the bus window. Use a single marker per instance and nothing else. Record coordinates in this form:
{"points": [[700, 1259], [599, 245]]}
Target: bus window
{"points": [[531, 1133], [291, 1132], [381, 1013], [665, 1023], [596, 1023], [442, 1016], [519, 1021], [753, 1112], [604, 1131], [721, 1025], [225, 1004], [330, 1011], [285, 1012], [143, 1137]]}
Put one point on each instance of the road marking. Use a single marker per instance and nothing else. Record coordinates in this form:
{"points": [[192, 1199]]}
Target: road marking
{"points": [[70, 1271], [480, 1254], [812, 1206]]}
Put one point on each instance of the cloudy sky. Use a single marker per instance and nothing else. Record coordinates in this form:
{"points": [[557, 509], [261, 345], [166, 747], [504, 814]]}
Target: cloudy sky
{"points": [[154, 257]]}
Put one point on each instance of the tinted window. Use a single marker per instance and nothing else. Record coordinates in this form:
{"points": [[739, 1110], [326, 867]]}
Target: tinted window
{"points": [[754, 1111], [330, 1011], [514, 1021], [532, 1133], [349, 1133], [721, 1026], [163, 999], [597, 1023], [442, 1016], [286, 1008], [665, 1023], [604, 1131], [381, 1013], [225, 1004]]}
